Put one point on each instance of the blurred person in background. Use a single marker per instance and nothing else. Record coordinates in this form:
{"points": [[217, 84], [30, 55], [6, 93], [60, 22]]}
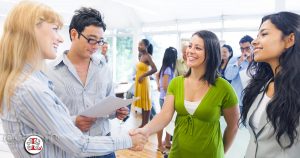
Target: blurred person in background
{"points": [[104, 49], [142, 80], [236, 68], [226, 55], [181, 67], [165, 75]]}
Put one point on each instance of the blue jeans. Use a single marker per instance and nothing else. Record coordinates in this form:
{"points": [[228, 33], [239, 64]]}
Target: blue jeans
{"points": [[111, 155]]}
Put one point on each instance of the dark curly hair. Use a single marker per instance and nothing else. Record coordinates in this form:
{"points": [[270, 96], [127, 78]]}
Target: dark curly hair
{"points": [[85, 17]]}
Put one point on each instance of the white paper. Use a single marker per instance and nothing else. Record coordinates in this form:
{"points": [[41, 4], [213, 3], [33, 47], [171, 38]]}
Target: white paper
{"points": [[122, 88], [107, 106], [245, 79]]}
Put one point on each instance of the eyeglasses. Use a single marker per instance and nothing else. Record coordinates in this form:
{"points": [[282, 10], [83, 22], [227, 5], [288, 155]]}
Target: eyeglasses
{"points": [[246, 48], [93, 41]]}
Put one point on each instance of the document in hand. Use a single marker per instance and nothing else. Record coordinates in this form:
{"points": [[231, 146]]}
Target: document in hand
{"points": [[107, 106]]}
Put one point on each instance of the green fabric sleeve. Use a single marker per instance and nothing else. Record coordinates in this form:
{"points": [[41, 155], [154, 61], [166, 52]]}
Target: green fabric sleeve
{"points": [[171, 87], [230, 98]]}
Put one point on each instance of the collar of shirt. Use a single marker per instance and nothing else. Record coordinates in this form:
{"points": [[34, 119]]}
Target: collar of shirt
{"points": [[63, 59]]}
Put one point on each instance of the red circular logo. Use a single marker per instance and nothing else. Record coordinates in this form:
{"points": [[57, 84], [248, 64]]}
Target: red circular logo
{"points": [[34, 144]]}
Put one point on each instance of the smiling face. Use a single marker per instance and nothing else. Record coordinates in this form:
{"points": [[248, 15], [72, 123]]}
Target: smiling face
{"points": [[196, 52], [48, 39], [104, 49], [225, 53], [184, 50], [269, 44], [142, 47], [80, 45]]}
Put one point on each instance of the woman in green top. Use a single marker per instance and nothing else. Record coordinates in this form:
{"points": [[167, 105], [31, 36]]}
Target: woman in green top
{"points": [[198, 98]]}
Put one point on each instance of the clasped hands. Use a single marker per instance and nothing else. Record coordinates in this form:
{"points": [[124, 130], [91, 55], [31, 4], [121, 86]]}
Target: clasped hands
{"points": [[139, 138]]}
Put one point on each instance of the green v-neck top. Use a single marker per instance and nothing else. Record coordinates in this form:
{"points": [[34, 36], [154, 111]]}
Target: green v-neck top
{"points": [[199, 135]]}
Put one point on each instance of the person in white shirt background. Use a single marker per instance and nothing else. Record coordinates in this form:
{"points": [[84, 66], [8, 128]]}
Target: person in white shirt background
{"points": [[237, 67], [104, 49]]}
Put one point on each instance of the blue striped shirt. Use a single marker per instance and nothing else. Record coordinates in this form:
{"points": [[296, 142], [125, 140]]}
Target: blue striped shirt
{"points": [[36, 110], [78, 97]]}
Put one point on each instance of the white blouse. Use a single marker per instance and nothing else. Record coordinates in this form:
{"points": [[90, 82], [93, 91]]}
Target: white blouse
{"points": [[261, 108], [191, 106]]}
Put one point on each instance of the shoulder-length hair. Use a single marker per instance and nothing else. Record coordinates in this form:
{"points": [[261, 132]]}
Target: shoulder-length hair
{"points": [[169, 60], [229, 48], [212, 55], [283, 110], [18, 44]]}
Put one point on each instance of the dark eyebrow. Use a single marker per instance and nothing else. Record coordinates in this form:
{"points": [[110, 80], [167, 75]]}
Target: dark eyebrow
{"points": [[95, 37], [262, 30], [198, 45]]}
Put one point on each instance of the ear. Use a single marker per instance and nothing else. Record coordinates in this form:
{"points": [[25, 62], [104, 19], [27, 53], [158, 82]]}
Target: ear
{"points": [[290, 40], [73, 34]]}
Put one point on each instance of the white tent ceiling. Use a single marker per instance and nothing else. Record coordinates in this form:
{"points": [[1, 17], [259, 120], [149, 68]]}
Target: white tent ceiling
{"points": [[136, 13]]}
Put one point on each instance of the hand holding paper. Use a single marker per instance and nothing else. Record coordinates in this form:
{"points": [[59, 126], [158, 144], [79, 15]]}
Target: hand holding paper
{"points": [[122, 113], [84, 123]]}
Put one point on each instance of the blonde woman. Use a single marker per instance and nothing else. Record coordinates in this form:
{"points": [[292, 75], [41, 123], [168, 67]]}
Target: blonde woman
{"points": [[28, 104]]}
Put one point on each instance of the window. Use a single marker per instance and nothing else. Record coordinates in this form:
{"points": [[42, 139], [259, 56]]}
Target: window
{"points": [[160, 44], [233, 38], [124, 66]]}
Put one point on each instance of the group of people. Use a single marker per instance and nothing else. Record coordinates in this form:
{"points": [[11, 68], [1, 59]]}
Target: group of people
{"points": [[45, 100], [170, 68]]}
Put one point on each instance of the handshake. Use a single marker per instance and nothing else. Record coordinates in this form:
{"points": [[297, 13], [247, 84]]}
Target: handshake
{"points": [[139, 138]]}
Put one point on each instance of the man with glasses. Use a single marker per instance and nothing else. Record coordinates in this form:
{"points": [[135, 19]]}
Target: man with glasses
{"points": [[81, 81], [236, 68]]}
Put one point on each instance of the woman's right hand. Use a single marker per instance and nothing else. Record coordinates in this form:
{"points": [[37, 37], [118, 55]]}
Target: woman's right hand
{"points": [[139, 139], [141, 79]]}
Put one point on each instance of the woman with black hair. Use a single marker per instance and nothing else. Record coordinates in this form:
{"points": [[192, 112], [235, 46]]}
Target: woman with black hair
{"points": [[142, 81], [226, 55], [198, 98], [271, 100], [165, 75]]}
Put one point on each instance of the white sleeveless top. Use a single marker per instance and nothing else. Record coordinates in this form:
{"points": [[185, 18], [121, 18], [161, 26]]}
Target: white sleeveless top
{"points": [[261, 108], [191, 106]]}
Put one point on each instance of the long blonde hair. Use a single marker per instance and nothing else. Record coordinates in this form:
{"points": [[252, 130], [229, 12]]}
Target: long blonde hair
{"points": [[18, 44]]}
